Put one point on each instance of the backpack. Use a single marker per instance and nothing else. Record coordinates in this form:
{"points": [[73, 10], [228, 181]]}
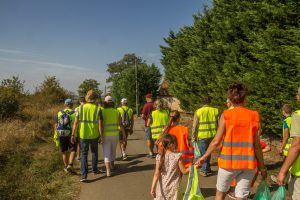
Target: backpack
{"points": [[64, 124], [126, 122]]}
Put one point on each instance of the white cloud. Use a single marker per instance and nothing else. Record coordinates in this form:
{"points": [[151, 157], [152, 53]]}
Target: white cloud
{"points": [[10, 51], [43, 63]]}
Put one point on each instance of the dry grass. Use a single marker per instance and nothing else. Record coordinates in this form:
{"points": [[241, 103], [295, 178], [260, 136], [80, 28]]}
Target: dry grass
{"points": [[31, 165]]}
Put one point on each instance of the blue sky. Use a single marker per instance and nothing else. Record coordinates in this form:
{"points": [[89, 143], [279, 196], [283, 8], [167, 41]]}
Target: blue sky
{"points": [[75, 40]]}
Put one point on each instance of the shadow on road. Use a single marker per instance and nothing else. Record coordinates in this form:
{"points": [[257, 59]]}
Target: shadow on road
{"points": [[208, 192]]}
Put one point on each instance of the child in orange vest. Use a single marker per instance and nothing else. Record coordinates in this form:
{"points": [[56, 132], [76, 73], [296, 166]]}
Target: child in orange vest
{"points": [[181, 134], [169, 166]]}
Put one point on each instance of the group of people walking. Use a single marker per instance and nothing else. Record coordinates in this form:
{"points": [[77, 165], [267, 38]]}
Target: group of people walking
{"points": [[235, 132], [90, 125]]}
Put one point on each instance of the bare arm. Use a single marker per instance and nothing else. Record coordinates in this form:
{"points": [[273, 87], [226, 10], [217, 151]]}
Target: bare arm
{"points": [[285, 139], [290, 159], [182, 168], [195, 127], [259, 156], [155, 179], [121, 126], [149, 121], [74, 131], [215, 142]]}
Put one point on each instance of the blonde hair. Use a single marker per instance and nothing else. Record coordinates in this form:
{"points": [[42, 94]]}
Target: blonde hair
{"points": [[158, 104]]}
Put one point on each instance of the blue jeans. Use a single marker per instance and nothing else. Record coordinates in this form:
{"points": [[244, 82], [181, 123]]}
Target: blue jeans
{"points": [[203, 146], [84, 148]]}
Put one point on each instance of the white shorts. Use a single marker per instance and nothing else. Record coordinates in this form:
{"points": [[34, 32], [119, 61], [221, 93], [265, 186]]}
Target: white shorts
{"points": [[243, 181], [109, 147]]}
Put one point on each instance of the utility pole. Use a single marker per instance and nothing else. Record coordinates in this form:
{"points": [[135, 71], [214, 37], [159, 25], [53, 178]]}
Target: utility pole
{"points": [[136, 90]]}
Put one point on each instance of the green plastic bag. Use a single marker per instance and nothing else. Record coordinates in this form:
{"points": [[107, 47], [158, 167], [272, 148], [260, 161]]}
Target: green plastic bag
{"points": [[197, 153], [263, 192], [279, 194], [193, 191]]}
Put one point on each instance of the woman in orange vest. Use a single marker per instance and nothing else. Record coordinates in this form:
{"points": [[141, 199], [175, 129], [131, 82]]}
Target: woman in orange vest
{"points": [[240, 152], [181, 134]]}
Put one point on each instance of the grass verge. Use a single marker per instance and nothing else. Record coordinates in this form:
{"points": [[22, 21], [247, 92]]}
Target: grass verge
{"points": [[31, 165]]}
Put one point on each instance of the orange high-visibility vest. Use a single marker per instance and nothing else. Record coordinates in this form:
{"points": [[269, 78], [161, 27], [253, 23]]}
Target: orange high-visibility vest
{"points": [[237, 150], [181, 134]]}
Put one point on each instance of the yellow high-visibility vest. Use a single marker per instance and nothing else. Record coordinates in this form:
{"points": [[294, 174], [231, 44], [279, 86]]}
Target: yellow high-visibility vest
{"points": [[208, 120], [88, 121], [288, 121], [110, 121], [160, 119], [295, 168]]}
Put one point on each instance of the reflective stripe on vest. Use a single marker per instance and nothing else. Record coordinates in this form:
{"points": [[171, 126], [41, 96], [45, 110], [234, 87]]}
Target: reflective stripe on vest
{"points": [[237, 151], [295, 168], [88, 121], [207, 125], [110, 122], [160, 119]]}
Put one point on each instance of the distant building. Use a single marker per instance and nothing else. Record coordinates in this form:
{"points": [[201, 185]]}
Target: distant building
{"points": [[164, 94]]}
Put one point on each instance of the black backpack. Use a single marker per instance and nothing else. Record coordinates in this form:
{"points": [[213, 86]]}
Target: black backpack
{"points": [[64, 124]]}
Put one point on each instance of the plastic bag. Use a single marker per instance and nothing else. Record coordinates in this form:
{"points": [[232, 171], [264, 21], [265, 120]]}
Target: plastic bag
{"points": [[263, 192], [197, 152], [193, 191], [279, 194]]}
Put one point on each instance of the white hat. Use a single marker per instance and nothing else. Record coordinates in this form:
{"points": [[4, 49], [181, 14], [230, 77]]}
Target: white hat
{"points": [[108, 99], [124, 100]]}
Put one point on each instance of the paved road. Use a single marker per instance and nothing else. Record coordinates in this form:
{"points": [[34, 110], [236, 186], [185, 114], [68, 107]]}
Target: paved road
{"points": [[134, 177]]}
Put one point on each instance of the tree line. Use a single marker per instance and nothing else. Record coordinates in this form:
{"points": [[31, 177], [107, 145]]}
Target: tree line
{"points": [[254, 42], [122, 79]]}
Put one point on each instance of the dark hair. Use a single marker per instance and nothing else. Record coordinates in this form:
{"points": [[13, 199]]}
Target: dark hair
{"points": [[166, 141], [206, 100], [82, 99], [236, 92], [174, 116], [287, 108], [108, 104]]}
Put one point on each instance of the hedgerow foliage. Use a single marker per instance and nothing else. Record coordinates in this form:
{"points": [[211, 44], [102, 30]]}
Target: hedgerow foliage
{"points": [[254, 42]]}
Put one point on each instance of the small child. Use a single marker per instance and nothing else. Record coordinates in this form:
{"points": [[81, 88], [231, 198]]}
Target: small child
{"points": [[286, 141], [169, 166]]}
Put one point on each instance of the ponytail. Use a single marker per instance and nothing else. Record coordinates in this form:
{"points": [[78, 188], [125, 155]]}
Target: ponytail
{"points": [[174, 116]]}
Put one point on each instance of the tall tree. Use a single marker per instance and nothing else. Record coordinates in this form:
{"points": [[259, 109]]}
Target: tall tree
{"points": [[115, 68], [87, 85], [50, 91], [124, 83], [255, 42]]}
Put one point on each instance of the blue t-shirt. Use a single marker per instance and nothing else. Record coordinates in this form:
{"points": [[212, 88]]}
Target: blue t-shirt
{"points": [[285, 125]]}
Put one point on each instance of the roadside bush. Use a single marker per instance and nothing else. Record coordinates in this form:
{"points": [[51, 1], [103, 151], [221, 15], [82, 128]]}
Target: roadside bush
{"points": [[9, 103]]}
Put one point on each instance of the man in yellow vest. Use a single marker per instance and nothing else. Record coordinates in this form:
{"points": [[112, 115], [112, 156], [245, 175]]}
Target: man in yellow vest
{"points": [[292, 161], [204, 129], [88, 117], [127, 121]]}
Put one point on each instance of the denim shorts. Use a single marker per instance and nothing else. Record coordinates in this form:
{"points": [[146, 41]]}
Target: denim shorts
{"points": [[148, 133]]}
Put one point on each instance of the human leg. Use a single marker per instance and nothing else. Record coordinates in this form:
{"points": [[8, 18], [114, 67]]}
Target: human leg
{"points": [[73, 148], [94, 150], [294, 187], [149, 140], [106, 147], [224, 179], [203, 146], [84, 144], [243, 183]]}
